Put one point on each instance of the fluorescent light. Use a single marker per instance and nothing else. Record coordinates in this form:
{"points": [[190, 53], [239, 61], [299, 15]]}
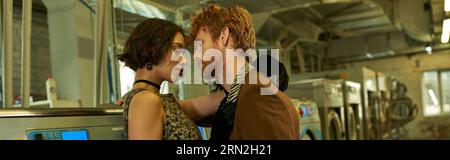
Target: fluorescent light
{"points": [[433, 97], [445, 31], [155, 11], [140, 8], [447, 6], [127, 6]]}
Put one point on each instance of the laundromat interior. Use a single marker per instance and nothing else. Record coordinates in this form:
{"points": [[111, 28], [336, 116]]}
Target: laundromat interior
{"points": [[358, 69]]}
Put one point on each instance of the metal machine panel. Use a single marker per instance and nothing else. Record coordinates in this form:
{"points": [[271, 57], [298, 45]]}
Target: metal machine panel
{"points": [[326, 93], [364, 76], [51, 124], [329, 98], [354, 92], [381, 81], [310, 123], [353, 110]]}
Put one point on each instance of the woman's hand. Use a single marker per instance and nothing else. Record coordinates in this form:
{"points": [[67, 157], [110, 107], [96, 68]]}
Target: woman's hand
{"points": [[202, 107], [119, 102]]}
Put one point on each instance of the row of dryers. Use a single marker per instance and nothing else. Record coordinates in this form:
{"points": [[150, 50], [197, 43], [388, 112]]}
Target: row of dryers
{"points": [[353, 103], [328, 109]]}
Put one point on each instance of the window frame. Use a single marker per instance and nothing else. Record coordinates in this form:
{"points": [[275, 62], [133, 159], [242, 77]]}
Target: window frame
{"points": [[440, 93]]}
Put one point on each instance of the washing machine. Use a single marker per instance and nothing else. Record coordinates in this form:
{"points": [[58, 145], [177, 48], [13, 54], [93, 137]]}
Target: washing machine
{"points": [[102, 123], [310, 127], [383, 101], [328, 96], [381, 95], [367, 78], [353, 111]]}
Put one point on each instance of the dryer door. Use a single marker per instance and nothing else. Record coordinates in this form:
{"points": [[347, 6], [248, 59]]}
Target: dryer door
{"points": [[308, 135], [310, 132], [352, 124], [335, 130]]}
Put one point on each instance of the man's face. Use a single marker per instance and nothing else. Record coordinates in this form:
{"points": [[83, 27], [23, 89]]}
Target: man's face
{"points": [[204, 36]]}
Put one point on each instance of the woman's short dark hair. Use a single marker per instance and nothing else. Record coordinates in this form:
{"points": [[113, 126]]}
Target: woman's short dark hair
{"points": [[149, 42]]}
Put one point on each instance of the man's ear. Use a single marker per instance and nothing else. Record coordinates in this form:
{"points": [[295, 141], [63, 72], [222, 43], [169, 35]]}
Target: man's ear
{"points": [[224, 37]]}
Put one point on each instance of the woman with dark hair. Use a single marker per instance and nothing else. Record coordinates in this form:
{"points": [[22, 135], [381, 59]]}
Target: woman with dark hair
{"points": [[148, 115]]}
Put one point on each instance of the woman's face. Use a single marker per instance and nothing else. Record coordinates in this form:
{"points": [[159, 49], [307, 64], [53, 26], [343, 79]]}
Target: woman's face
{"points": [[167, 66]]}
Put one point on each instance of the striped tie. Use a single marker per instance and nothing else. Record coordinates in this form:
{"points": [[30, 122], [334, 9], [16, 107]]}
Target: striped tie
{"points": [[235, 87]]}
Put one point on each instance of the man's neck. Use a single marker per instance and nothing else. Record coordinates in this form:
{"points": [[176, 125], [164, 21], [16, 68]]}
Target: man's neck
{"points": [[231, 73], [227, 87]]}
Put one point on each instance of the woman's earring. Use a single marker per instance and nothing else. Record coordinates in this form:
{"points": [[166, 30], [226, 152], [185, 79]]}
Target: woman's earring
{"points": [[149, 67]]}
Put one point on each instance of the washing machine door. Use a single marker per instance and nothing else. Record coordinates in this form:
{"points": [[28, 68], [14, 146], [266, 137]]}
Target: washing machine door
{"points": [[311, 132], [352, 124], [335, 130], [307, 134]]}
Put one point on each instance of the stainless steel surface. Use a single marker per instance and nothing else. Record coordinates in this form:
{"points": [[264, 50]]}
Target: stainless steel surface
{"points": [[26, 42], [7, 57], [310, 123], [353, 110], [329, 98], [55, 112], [352, 129], [100, 127], [383, 104], [326, 93], [102, 123], [381, 82], [334, 126], [333, 123], [364, 76], [354, 92]]}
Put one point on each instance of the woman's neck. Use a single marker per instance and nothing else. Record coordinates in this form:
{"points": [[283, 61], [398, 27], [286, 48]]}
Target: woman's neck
{"points": [[144, 74]]}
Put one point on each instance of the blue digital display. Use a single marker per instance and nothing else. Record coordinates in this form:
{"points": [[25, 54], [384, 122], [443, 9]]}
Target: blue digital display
{"points": [[75, 135]]}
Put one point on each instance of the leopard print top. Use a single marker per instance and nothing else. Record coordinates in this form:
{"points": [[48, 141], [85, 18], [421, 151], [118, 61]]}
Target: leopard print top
{"points": [[177, 126]]}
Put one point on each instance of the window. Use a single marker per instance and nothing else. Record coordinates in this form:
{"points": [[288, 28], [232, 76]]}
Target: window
{"points": [[126, 79], [445, 87], [436, 92]]}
